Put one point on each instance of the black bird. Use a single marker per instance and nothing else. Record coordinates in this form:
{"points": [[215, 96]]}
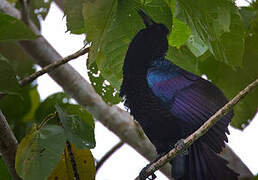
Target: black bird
{"points": [[170, 103]]}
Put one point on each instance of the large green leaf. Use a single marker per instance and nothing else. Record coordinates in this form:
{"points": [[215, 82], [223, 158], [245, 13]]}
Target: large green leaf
{"points": [[39, 152], [102, 86], [232, 81], [218, 24], [196, 45], [97, 17], [78, 125], [8, 81], [180, 33], [40, 8], [111, 35], [19, 110], [184, 58], [14, 29], [48, 105], [21, 62], [74, 18]]}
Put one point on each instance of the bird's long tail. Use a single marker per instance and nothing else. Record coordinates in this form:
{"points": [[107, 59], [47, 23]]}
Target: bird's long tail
{"points": [[204, 164]]}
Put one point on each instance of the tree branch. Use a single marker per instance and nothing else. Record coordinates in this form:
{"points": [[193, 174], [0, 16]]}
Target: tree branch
{"points": [[200, 132], [8, 146], [114, 118], [108, 154], [52, 66]]}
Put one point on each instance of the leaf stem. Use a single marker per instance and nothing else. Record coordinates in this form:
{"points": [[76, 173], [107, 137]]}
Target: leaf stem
{"points": [[72, 159], [46, 119]]}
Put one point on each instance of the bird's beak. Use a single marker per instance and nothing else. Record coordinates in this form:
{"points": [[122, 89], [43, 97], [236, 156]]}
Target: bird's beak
{"points": [[146, 19]]}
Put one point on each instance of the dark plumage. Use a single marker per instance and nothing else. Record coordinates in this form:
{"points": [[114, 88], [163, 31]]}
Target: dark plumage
{"points": [[171, 103]]}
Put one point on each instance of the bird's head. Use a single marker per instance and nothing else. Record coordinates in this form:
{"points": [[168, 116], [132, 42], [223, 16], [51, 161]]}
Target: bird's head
{"points": [[149, 43]]}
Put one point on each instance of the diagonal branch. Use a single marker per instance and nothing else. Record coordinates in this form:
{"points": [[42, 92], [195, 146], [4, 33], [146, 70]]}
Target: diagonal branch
{"points": [[200, 132]]}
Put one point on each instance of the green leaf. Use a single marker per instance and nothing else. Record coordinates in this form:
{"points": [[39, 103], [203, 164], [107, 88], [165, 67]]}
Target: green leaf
{"points": [[102, 86], [48, 105], [35, 102], [97, 18], [85, 164], [78, 125], [4, 173], [180, 33], [19, 109], [39, 152], [8, 81], [74, 18], [14, 29], [40, 8], [233, 81], [196, 45], [22, 64], [112, 25], [184, 58], [16, 108], [219, 26]]}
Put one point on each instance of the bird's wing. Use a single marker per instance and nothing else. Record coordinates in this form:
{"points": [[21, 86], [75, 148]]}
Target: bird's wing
{"points": [[191, 99]]}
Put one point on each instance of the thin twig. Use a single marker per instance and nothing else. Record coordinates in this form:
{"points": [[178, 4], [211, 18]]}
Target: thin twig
{"points": [[8, 146], [52, 66], [108, 154], [73, 162], [200, 132]]}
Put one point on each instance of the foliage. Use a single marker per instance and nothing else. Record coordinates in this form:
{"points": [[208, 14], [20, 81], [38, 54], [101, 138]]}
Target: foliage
{"points": [[9, 26], [4, 174], [211, 38], [84, 162], [214, 38], [39, 152]]}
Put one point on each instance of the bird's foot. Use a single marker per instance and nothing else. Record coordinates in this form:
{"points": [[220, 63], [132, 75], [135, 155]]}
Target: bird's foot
{"points": [[143, 175], [179, 145]]}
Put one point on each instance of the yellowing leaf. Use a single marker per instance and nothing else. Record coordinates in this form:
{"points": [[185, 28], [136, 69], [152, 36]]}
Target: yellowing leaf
{"points": [[84, 163]]}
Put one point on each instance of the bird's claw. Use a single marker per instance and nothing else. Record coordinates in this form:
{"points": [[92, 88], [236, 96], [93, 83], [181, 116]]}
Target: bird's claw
{"points": [[179, 145], [143, 175]]}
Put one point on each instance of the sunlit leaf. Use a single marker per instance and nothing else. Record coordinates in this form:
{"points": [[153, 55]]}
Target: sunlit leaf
{"points": [[219, 26], [180, 33]]}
